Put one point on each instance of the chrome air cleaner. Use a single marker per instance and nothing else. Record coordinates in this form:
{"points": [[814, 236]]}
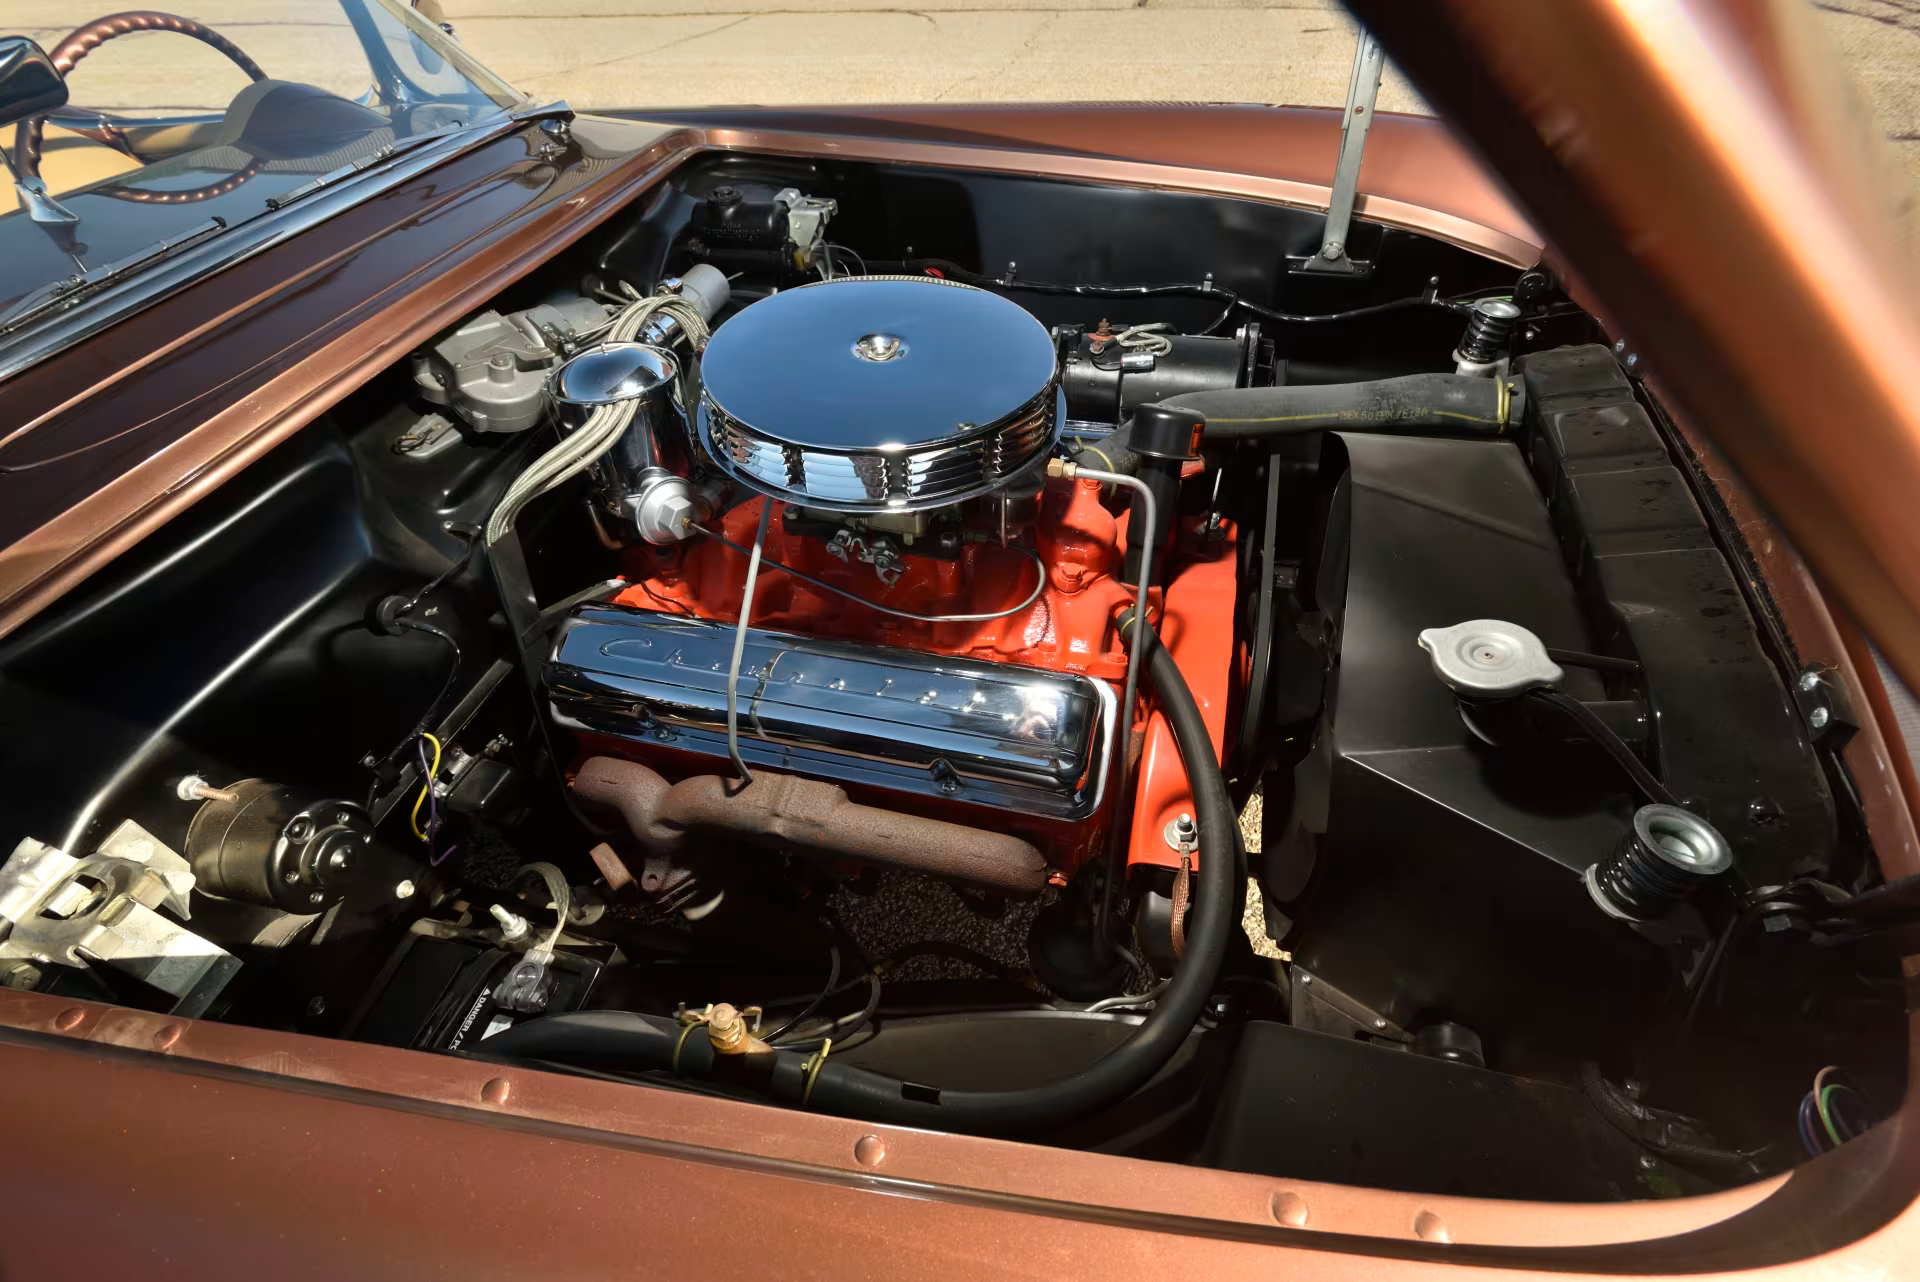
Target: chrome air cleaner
{"points": [[879, 394]]}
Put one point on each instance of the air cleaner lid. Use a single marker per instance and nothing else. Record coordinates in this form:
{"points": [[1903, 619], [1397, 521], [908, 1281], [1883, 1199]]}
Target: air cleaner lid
{"points": [[867, 363]]}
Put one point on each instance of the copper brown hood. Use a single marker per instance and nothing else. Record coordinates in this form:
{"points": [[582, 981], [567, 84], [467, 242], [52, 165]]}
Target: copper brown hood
{"points": [[1696, 165], [257, 1139]]}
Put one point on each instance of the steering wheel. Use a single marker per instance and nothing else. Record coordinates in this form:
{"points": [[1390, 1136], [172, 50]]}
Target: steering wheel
{"points": [[26, 143]]}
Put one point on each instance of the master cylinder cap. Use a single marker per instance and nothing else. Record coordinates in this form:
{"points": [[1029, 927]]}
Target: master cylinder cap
{"points": [[1489, 658]]}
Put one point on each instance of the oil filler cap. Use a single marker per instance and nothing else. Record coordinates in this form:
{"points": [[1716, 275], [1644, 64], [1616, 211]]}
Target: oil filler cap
{"points": [[1489, 658]]}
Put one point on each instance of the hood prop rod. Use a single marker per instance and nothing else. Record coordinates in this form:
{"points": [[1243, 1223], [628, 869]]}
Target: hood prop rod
{"points": [[1363, 89]]}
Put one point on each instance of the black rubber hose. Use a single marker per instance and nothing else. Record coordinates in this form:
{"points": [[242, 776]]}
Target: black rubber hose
{"points": [[843, 1089], [1604, 738], [1651, 1127], [647, 1041], [1441, 404], [1451, 403], [615, 1038]]}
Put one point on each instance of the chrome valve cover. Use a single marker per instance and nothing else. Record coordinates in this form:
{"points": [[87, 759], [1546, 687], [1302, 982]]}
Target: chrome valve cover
{"points": [[989, 733], [879, 394]]}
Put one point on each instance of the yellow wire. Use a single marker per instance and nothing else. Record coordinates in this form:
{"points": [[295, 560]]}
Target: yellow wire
{"points": [[812, 1069], [1095, 449], [425, 785]]}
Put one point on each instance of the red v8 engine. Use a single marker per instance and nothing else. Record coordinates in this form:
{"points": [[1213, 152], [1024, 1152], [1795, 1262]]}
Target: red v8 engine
{"points": [[935, 624]]}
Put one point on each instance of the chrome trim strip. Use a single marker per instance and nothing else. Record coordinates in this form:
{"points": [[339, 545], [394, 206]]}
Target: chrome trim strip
{"points": [[1003, 735], [59, 330]]}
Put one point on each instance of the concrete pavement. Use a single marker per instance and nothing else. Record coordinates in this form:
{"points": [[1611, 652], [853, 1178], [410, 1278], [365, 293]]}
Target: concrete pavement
{"points": [[678, 53]]}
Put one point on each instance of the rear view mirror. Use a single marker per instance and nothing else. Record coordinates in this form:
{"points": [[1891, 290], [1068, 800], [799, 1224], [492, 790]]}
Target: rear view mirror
{"points": [[29, 82]]}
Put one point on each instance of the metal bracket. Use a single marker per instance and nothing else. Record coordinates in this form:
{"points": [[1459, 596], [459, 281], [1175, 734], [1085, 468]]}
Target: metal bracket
{"points": [[1323, 1008], [806, 218], [40, 205], [881, 553], [1825, 705], [34, 197], [59, 910], [1363, 89]]}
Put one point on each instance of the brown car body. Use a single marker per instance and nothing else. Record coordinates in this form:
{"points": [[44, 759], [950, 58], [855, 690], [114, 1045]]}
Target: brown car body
{"points": [[1711, 222]]}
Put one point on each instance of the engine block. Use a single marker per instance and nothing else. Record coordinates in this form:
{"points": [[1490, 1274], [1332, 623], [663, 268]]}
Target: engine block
{"points": [[1070, 627]]}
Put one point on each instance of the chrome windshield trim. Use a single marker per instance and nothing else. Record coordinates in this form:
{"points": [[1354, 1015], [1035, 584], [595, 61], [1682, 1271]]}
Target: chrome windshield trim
{"points": [[45, 337]]}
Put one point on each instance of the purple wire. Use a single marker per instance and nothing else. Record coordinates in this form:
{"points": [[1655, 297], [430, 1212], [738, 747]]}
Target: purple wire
{"points": [[433, 811], [1807, 1132]]}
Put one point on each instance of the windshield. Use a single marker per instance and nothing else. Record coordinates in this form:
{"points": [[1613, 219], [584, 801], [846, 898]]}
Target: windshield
{"points": [[210, 112]]}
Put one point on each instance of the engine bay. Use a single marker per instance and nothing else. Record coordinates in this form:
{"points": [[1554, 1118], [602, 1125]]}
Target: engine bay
{"points": [[1001, 655]]}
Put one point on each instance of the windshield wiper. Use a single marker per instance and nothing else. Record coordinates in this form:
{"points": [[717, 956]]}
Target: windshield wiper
{"points": [[409, 143], [66, 290]]}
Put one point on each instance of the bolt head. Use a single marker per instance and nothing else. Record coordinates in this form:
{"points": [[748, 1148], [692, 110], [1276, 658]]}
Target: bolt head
{"points": [[1809, 681], [1378, 1022], [21, 976], [404, 890], [1648, 1162], [1818, 718], [675, 511], [316, 1006], [1334, 251], [1306, 979]]}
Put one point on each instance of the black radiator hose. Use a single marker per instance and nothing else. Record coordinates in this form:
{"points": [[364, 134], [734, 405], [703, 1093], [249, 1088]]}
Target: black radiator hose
{"points": [[1416, 404], [617, 1038]]}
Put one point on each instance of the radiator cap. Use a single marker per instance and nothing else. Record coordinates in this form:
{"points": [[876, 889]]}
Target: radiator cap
{"points": [[1489, 658]]}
